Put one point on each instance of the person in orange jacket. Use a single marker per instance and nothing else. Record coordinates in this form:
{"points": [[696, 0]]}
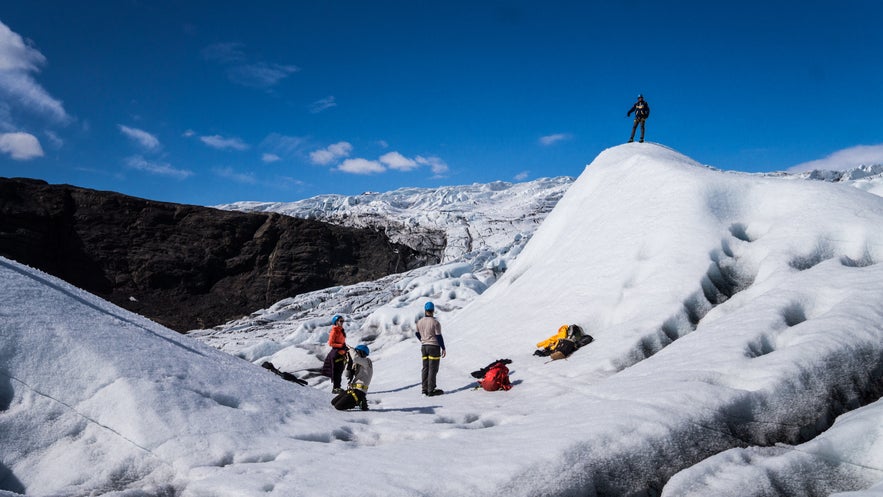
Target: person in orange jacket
{"points": [[335, 361]]}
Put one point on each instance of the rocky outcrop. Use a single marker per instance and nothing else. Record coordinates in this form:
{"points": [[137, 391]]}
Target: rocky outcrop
{"points": [[184, 266]]}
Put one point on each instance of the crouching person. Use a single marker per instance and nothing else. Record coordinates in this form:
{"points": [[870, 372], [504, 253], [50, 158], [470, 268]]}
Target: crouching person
{"points": [[359, 370]]}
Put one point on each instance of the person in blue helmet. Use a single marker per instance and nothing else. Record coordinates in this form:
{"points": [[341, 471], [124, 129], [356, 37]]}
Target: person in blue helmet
{"points": [[642, 112], [359, 370], [432, 347]]}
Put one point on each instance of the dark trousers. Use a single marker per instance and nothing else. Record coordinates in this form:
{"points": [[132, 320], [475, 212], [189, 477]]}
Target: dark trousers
{"points": [[641, 121], [337, 366], [349, 399], [431, 359]]}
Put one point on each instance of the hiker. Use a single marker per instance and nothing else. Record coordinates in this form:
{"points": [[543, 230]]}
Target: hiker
{"points": [[566, 341], [642, 112], [335, 361], [494, 376], [432, 347], [359, 370]]}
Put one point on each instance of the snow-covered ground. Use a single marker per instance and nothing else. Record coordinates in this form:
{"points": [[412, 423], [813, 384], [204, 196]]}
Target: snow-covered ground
{"points": [[735, 319]]}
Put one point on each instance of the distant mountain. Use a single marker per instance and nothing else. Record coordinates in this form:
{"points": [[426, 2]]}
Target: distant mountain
{"points": [[185, 266], [449, 221]]}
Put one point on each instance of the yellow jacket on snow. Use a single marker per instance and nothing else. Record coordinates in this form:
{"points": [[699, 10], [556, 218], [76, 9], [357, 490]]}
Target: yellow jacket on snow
{"points": [[552, 341]]}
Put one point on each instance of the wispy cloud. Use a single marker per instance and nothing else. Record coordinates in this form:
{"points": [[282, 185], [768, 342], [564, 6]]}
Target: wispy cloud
{"points": [[286, 147], [523, 175], [231, 174], [553, 139], [361, 166], [225, 53], [399, 162], [848, 158], [436, 165], [20, 146], [18, 62], [323, 104], [139, 163], [260, 74], [331, 153], [144, 139], [268, 158], [221, 143]]}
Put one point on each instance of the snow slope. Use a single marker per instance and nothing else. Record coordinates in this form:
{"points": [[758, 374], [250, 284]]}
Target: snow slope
{"points": [[735, 319]]}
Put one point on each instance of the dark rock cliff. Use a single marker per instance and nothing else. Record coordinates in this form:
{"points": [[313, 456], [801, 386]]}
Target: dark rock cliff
{"points": [[184, 266]]}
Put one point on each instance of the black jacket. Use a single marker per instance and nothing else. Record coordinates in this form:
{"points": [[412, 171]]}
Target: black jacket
{"points": [[641, 109]]}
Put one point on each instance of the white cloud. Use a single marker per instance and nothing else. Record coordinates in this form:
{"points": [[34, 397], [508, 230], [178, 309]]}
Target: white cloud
{"points": [[17, 62], [399, 162], [141, 137], [841, 160], [552, 139], [361, 166], [139, 163], [189, 133], [438, 166], [20, 146], [221, 143], [331, 153], [229, 173], [523, 175], [270, 158], [322, 104]]}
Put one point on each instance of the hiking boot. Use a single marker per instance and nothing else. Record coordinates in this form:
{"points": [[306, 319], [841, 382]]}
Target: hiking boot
{"points": [[337, 390], [435, 392], [631, 140], [641, 140], [364, 406]]}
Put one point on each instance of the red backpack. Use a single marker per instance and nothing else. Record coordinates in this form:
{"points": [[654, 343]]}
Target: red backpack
{"points": [[496, 377]]}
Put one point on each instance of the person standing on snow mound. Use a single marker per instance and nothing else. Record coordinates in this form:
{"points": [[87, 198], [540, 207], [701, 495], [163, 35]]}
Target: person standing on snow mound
{"points": [[432, 346], [335, 361], [642, 112]]}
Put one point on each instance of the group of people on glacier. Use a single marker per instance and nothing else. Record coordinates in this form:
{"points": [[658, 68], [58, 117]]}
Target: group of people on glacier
{"points": [[359, 368]]}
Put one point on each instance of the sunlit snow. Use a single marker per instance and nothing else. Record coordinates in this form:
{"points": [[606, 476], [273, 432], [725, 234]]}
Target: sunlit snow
{"points": [[738, 351]]}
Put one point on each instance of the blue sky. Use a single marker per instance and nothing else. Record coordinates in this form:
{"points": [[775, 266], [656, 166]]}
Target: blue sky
{"points": [[208, 102]]}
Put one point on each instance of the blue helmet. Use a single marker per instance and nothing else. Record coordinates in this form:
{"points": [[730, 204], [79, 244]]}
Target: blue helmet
{"points": [[363, 349], [429, 307], [335, 318]]}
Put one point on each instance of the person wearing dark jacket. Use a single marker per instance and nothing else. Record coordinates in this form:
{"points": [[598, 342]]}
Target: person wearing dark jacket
{"points": [[432, 347], [642, 112]]}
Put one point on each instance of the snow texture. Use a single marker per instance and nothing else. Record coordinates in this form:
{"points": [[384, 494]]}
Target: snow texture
{"points": [[738, 351]]}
